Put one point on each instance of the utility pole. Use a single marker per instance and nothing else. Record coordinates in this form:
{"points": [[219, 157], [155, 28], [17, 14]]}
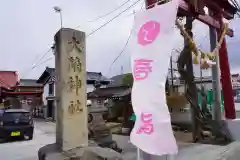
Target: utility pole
{"points": [[201, 77], [171, 73], [121, 70], [216, 84]]}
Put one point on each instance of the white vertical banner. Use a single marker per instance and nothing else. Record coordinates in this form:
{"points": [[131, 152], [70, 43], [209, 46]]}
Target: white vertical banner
{"points": [[151, 44]]}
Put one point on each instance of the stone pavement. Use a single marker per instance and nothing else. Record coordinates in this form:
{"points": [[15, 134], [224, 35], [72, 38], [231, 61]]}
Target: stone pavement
{"points": [[45, 134], [187, 150], [27, 150], [209, 152]]}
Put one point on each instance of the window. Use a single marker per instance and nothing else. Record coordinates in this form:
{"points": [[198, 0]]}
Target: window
{"points": [[182, 110], [99, 102], [51, 89], [14, 115]]}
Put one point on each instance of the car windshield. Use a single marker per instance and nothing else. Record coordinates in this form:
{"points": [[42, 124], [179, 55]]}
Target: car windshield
{"points": [[14, 115]]}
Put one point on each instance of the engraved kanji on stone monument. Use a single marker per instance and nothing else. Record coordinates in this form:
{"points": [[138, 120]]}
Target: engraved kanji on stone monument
{"points": [[78, 84], [75, 44], [71, 91], [75, 107], [74, 84], [75, 64]]}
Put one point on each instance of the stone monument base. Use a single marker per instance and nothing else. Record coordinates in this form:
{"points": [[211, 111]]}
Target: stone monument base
{"points": [[92, 152]]}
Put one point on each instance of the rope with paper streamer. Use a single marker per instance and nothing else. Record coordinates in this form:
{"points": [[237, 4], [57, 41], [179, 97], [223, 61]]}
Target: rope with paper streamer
{"points": [[205, 59]]}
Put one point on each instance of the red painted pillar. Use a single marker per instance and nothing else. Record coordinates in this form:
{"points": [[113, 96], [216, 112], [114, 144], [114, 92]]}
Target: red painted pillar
{"points": [[229, 105]]}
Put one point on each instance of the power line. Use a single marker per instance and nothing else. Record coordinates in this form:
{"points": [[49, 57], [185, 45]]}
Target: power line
{"points": [[43, 56], [108, 13], [125, 46], [34, 65], [43, 62], [236, 5], [91, 33], [142, 7], [94, 31]]}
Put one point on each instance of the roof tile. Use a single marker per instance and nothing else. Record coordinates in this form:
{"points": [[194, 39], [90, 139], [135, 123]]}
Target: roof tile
{"points": [[8, 79]]}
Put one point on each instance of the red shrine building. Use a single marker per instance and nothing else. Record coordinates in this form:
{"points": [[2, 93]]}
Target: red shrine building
{"points": [[19, 93]]}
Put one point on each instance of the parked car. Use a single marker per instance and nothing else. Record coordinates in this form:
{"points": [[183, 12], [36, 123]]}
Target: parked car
{"points": [[16, 123]]}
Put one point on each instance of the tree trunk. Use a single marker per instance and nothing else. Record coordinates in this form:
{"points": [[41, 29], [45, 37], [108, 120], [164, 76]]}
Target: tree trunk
{"points": [[185, 61]]}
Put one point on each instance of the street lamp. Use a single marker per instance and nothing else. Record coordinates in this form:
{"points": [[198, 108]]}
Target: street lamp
{"points": [[58, 10]]}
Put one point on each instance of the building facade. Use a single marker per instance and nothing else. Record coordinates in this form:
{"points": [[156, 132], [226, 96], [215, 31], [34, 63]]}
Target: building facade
{"points": [[8, 80], [48, 78], [206, 82], [27, 100], [24, 93], [183, 115]]}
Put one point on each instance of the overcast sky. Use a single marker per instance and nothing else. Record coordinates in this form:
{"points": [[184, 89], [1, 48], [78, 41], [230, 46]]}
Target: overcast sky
{"points": [[28, 27]]}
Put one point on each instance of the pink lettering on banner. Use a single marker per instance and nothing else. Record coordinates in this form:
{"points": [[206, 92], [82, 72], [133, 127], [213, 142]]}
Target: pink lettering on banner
{"points": [[142, 68], [146, 124], [148, 32]]}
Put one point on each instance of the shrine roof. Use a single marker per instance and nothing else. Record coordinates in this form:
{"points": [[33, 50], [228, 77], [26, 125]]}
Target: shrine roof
{"points": [[91, 77], [8, 79], [96, 76], [45, 75], [109, 92], [116, 80], [29, 83]]}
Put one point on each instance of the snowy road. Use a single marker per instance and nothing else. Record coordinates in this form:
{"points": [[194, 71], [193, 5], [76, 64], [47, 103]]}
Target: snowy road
{"points": [[27, 150]]}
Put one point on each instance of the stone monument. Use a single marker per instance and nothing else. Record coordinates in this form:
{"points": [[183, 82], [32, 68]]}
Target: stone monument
{"points": [[72, 115], [99, 132]]}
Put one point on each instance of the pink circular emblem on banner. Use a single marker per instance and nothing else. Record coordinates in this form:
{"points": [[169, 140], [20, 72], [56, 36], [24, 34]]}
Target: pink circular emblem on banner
{"points": [[148, 32]]}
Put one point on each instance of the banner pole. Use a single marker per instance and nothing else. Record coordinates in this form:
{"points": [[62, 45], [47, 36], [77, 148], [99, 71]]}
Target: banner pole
{"points": [[144, 155], [138, 154]]}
